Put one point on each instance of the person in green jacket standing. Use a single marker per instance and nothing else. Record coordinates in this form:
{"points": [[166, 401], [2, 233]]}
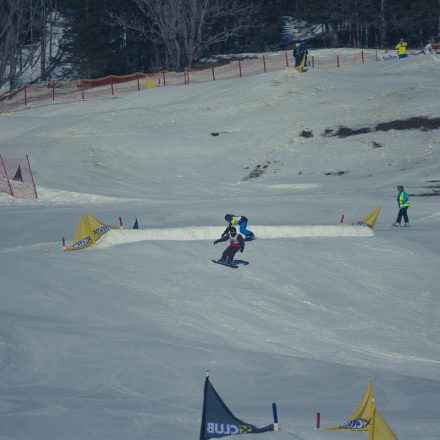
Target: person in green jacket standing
{"points": [[403, 203]]}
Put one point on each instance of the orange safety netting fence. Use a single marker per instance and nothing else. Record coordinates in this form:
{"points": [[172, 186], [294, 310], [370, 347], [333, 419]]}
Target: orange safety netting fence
{"points": [[16, 178], [113, 85]]}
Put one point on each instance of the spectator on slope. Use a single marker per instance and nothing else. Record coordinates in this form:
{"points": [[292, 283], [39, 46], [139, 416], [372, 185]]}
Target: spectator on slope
{"points": [[241, 221], [236, 243], [403, 203], [304, 52], [401, 48], [297, 54]]}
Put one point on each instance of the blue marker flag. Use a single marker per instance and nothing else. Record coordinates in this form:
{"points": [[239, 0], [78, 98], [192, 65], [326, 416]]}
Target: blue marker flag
{"points": [[218, 420]]}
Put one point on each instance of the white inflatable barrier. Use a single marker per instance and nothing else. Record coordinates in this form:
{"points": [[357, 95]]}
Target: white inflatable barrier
{"points": [[195, 233]]}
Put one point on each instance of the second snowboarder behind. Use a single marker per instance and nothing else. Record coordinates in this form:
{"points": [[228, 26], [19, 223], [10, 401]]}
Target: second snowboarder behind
{"points": [[242, 222]]}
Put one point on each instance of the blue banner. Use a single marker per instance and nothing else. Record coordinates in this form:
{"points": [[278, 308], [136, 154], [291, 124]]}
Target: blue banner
{"points": [[218, 420]]}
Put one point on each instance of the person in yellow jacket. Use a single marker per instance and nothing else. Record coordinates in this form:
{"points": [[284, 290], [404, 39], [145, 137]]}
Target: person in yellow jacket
{"points": [[241, 221], [403, 204], [401, 48]]}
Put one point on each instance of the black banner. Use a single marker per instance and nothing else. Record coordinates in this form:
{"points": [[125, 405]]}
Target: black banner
{"points": [[218, 420]]}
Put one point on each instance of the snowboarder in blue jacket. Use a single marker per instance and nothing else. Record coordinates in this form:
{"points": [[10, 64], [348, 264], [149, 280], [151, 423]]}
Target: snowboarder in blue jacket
{"points": [[242, 222]]}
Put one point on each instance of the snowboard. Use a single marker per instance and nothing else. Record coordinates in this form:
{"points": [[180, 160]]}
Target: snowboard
{"points": [[238, 262], [234, 266], [251, 238]]}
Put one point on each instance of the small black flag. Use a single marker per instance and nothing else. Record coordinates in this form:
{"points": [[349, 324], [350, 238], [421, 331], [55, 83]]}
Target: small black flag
{"points": [[136, 225], [218, 420], [18, 176]]}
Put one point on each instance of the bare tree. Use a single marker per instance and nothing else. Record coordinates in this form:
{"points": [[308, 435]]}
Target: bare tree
{"points": [[20, 50], [437, 21], [383, 24], [43, 35], [187, 29], [13, 30]]}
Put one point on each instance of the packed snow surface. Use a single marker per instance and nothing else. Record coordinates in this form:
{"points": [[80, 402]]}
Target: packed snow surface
{"points": [[113, 342]]}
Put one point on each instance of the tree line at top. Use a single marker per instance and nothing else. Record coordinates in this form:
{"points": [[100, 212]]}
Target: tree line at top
{"points": [[94, 38]]}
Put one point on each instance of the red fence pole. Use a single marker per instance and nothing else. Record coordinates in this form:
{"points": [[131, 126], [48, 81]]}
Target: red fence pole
{"points": [[82, 90], [342, 219], [313, 61], [213, 73], [264, 64], [25, 95], [239, 67], [111, 85], [337, 60], [53, 90], [362, 54], [139, 87], [287, 60], [32, 176], [6, 174], [318, 420], [120, 221], [163, 76]]}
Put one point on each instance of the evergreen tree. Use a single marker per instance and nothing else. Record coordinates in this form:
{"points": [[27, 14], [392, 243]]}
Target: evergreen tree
{"points": [[95, 46], [113, 37]]}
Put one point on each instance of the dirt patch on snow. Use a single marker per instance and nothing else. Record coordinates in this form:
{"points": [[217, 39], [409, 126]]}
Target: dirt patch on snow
{"points": [[258, 171], [343, 132], [306, 133], [435, 190], [336, 173], [416, 123]]}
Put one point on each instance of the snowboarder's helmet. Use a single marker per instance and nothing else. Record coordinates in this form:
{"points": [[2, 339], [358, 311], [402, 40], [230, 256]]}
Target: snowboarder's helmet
{"points": [[228, 217], [399, 188], [233, 231]]}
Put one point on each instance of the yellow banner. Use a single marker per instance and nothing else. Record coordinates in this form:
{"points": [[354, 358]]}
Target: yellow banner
{"points": [[98, 228], [150, 83], [88, 232], [367, 418], [300, 68], [361, 418], [380, 429], [371, 218], [83, 237]]}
